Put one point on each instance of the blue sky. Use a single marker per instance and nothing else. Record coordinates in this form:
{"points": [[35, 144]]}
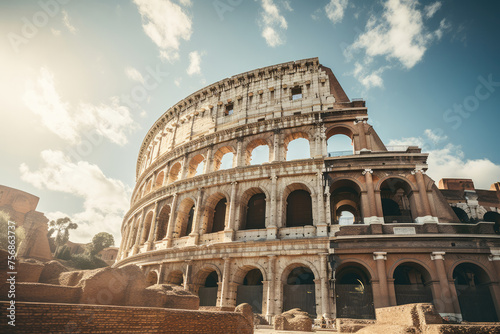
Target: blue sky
{"points": [[82, 82]]}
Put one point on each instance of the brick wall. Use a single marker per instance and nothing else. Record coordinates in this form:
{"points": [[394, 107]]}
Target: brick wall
{"points": [[68, 318]]}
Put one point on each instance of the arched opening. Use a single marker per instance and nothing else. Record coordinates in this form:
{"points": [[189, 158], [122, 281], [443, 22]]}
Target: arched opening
{"points": [[345, 203], [159, 179], [474, 295], [398, 203], [185, 216], [163, 219], [250, 290], [493, 217], [257, 152], [196, 165], [175, 170], [299, 291], [255, 212], [462, 215], [219, 216], [354, 293], [175, 277], [147, 227], [340, 142], [412, 284], [208, 292], [297, 146], [224, 158], [299, 208], [152, 278]]}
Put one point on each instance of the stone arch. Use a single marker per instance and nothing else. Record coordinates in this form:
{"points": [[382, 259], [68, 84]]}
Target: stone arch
{"points": [[175, 277], [494, 217], [212, 216], [345, 196], [299, 288], [207, 281], [194, 163], [163, 219], [253, 212], [292, 137], [340, 130], [174, 172], [220, 153], [152, 278], [185, 217], [399, 203], [462, 216], [354, 290], [475, 292], [254, 144], [297, 205], [159, 179], [147, 226], [249, 280]]}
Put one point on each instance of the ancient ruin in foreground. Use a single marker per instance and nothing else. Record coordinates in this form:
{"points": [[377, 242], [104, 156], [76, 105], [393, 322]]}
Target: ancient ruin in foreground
{"points": [[336, 234]]}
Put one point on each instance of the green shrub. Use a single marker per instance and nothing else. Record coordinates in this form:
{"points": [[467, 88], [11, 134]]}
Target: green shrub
{"points": [[86, 261]]}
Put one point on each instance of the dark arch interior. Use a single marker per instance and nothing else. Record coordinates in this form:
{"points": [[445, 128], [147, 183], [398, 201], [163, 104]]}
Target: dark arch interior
{"points": [[493, 217], [219, 216], [256, 212], [462, 215], [411, 284], [474, 296], [396, 205], [189, 225], [354, 295], [251, 290], [300, 275], [163, 222], [299, 209], [208, 292]]}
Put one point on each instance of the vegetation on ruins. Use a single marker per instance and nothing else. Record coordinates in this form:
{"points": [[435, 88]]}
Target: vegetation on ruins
{"points": [[4, 240]]}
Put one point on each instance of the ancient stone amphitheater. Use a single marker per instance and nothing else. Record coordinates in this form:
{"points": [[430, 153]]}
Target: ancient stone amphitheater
{"points": [[336, 234]]}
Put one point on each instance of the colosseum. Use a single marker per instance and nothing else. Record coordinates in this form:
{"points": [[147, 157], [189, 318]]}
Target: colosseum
{"points": [[335, 233]]}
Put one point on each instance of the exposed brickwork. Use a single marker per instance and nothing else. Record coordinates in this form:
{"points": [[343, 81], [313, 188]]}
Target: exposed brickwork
{"points": [[67, 318]]}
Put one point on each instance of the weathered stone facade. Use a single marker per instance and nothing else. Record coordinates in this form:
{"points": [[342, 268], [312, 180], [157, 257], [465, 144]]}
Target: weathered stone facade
{"points": [[274, 235]]}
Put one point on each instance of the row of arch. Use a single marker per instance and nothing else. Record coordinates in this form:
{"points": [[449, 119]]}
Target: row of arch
{"points": [[353, 290], [296, 145]]}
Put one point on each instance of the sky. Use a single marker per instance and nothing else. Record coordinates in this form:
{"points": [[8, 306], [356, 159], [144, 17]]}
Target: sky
{"points": [[83, 81]]}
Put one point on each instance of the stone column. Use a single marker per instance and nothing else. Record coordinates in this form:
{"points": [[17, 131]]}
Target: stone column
{"points": [[171, 221], [189, 269], [392, 292], [225, 300], [270, 312], [152, 229], [321, 228], [495, 289], [426, 212], [325, 305], [161, 273], [445, 298], [272, 229], [371, 196], [362, 135], [276, 145], [194, 235], [185, 167], [230, 228], [139, 234], [380, 258], [208, 161], [240, 155]]}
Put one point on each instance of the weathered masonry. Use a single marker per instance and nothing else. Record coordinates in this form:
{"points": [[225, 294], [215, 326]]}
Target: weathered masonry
{"points": [[337, 234]]}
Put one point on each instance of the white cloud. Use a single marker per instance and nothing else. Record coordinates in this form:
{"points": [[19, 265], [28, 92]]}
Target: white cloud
{"points": [[111, 120], [398, 35], [55, 32], [134, 74], [105, 200], [177, 82], [166, 23], [335, 10], [273, 24], [369, 80], [66, 22], [194, 63], [431, 9], [449, 161]]}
